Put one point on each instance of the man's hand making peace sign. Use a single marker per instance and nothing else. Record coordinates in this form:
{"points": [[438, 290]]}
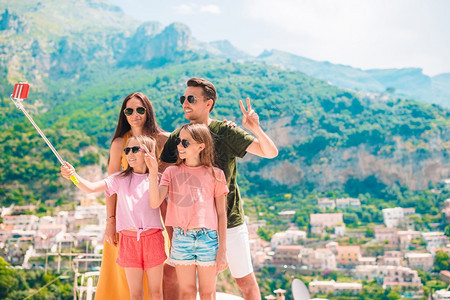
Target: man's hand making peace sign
{"points": [[250, 118]]}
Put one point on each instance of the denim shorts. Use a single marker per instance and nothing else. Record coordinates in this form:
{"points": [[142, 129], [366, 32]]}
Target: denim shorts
{"points": [[195, 247]]}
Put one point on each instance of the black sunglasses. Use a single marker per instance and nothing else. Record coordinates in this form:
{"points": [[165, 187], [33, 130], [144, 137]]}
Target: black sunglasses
{"points": [[129, 111], [134, 149], [191, 99], [183, 142]]}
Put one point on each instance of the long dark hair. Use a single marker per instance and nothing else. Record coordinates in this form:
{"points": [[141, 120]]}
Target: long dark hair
{"points": [[200, 133], [142, 140], [151, 128]]}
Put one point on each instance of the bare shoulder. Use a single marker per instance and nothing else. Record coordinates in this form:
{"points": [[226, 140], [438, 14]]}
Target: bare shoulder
{"points": [[161, 138], [117, 144]]}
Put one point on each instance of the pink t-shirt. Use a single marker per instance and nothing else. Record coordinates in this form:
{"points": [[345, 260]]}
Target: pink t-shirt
{"points": [[191, 196], [133, 209]]}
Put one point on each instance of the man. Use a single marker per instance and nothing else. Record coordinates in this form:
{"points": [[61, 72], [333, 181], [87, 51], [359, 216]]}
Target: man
{"points": [[229, 142]]}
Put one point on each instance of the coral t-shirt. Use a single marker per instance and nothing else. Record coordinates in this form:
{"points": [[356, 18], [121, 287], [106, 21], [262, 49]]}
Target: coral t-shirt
{"points": [[191, 193]]}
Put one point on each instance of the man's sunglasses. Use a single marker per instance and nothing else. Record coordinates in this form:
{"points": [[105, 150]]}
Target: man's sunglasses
{"points": [[134, 149], [129, 111], [191, 99], [184, 143]]}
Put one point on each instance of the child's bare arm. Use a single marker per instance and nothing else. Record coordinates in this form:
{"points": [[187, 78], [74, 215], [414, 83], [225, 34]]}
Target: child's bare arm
{"points": [[68, 170], [221, 260]]}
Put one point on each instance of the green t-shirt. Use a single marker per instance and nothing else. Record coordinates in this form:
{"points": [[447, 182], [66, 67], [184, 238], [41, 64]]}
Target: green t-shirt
{"points": [[229, 143]]}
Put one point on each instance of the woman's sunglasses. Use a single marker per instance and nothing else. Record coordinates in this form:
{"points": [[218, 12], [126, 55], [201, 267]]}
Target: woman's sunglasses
{"points": [[191, 99], [184, 143], [134, 149], [129, 111]]}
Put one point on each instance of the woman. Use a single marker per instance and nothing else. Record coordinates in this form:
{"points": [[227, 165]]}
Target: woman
{"points": [[137, 117]]}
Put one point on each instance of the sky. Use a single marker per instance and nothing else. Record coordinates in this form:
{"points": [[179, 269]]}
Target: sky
{"points": [[366, 34]]}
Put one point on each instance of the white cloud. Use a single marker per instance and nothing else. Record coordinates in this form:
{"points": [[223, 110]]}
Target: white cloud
{"points": [[184, 9], [213, 9], [193, 8]]}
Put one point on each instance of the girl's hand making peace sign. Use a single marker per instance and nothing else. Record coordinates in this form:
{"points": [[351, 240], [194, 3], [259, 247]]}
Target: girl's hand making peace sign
{"points": [[150, 160]]}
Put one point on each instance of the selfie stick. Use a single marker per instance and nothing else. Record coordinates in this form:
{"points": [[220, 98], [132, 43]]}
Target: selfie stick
{"points": [[19, 94]]}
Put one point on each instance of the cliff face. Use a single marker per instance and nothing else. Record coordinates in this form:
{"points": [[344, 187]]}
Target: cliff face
{"points": [[333, 167]]}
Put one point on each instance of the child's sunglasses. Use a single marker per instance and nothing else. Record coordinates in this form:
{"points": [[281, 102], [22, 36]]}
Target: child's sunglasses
{"points": [[129, 111], [191, 99], [134, 149], [183, 142]]}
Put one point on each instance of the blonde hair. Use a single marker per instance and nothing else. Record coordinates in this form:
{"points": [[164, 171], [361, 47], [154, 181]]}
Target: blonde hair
{"points": [[149, 142], [200, 133]]}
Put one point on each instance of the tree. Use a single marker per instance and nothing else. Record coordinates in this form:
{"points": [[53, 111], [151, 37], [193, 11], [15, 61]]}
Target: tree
{"points": [[8, 280], [264, 234], [447, 230], [393, 295], [441, 261]]}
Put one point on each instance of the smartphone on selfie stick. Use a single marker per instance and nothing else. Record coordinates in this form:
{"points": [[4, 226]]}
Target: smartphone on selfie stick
{"points": [[19, 94]]}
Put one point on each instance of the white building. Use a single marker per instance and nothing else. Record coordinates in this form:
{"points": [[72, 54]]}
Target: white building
{"points": [[321, 221], [287, 255], [441, 295], [21, 222], [422, 261], [326, 287], [319, 259], [288, 237], [393, 217], [367, 261], [339, 230], [326, 203], [387, 274], [391, 258], [348, 202], [21, 238], [406, 237], [434, 240], [287, 214]]}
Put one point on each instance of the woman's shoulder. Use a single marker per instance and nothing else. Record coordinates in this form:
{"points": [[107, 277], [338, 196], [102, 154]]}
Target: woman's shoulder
{"points": [[161, 138], [117, 146], [118, 141]]}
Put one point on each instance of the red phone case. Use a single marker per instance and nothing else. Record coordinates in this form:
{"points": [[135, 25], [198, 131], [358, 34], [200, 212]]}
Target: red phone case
{"points": [[21, 90]]}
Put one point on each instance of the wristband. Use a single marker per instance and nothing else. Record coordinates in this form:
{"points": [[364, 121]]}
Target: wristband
{"points": [[110, 217], [74, 180]]}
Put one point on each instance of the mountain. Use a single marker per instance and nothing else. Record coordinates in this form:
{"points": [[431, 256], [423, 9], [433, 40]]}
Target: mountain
{"points": [[83, 57], [408, 83], [223, 49]]}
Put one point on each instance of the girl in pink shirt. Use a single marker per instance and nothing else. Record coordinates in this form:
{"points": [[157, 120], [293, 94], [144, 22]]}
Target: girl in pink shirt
{"points": [[196, 209], [141, 247]]}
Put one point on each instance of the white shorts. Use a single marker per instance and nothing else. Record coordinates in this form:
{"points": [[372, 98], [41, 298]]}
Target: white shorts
{"points": [[238, 251]]}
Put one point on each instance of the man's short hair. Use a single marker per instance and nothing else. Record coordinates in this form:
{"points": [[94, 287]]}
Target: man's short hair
{"points": [[209, 90]]}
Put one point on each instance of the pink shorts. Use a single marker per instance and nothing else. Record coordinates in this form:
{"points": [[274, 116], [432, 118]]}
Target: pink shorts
{"points": [[146, 253]]}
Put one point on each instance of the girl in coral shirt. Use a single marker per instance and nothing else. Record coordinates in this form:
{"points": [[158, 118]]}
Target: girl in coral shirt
{"points": [[196, 209]]}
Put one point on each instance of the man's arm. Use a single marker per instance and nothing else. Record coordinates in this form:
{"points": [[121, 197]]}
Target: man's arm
{"points": [[263, 145], [168, 154]]}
